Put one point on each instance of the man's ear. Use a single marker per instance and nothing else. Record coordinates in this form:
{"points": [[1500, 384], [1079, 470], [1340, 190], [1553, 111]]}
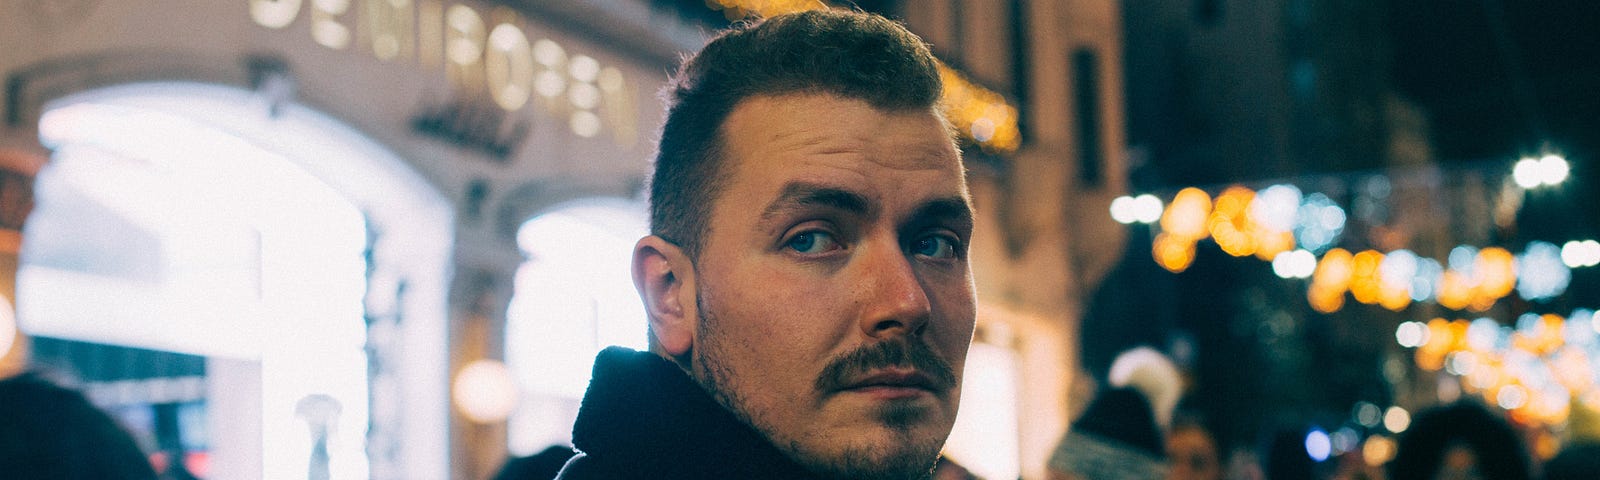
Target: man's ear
{"points": [[664, 276]]}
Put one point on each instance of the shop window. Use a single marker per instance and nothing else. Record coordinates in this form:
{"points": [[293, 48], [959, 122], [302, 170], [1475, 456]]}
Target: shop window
{"points": [[574, 296]]}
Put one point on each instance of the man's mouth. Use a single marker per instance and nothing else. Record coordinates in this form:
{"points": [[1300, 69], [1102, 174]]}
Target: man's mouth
{"points": [[890, 370], [894, 383]]}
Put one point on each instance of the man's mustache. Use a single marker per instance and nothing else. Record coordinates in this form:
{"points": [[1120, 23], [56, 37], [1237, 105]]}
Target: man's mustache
{"points": [[848, 368]]}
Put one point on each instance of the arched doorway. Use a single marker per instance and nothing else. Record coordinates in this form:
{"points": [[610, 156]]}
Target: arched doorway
{"points": [[290, 252], [573, 296]]}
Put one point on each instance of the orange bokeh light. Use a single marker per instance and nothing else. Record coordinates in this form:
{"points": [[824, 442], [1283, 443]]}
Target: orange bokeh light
{"points": [[1185, 218], [1173, 252], [1365, 285]]}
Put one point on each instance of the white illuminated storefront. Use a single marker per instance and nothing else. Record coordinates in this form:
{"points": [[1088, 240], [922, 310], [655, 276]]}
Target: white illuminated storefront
{"points": [[316, 196], [184, 218]]}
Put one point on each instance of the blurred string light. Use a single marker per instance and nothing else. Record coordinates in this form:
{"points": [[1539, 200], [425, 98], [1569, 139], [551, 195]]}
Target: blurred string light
{"points": [[1182, 224], [1411, 335], [1141, 209], [1396, 419], [1534, 368], [1345, 439], [1368, 414], [1378, 450], [1319, 222], [1577, 253], [1297, 232], [1541, 272], [979, 114], [1294, 264]]}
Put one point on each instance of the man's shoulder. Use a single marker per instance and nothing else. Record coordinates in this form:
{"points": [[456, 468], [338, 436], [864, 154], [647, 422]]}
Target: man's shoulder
{"points": [[585, 467]]}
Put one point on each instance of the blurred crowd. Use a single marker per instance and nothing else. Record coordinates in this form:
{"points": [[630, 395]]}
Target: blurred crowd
{"points": [[1138, 426]]}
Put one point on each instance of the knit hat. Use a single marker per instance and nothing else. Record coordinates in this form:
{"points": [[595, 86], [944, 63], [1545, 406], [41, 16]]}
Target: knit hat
{"points": [[1152, 374]]}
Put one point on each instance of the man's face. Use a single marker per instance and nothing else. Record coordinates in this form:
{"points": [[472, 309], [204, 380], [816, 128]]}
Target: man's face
{"points": [[834, 297]]}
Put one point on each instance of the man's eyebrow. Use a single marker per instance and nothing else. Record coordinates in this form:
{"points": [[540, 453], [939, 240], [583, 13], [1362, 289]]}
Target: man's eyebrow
{"points": [[802, 194], [955, 210]]}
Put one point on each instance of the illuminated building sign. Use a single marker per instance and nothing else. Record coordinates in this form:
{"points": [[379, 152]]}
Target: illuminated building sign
{"points": [[481, 54]]}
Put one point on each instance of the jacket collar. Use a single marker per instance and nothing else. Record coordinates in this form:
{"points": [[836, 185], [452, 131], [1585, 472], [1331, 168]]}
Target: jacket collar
{"points": [[643, 413]]}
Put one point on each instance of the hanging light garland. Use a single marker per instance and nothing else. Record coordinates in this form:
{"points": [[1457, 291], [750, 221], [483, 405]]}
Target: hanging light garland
{"points": [[982, 116], [1539, 370], [1281, 225]]}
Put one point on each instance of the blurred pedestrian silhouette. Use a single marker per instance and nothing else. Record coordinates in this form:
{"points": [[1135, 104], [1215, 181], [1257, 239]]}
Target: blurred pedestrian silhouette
{"points": [[1192, 450], [1578, 461], [1287, 458], [1463, 440], [539, 466], [1119, 435], [51, 432], [1115, 438]]}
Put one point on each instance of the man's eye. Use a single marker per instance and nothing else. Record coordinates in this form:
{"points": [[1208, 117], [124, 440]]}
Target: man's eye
{"points": [[935, 246], [813, 242]]}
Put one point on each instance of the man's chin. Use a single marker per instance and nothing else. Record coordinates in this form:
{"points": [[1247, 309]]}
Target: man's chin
{"points": [[902, 443], [875, 460]]}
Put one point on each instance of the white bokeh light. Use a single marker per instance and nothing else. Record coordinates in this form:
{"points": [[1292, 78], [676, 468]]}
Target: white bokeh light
{"points": [[1553, 170], [1411, 335], [484, 391], [1367, 414], [1541, 272], [1396, 419], [1511, 397], [1147, 208], [1276, 207], [1122, 210], [1526, 173], [1318, 445], [1294, 264]]}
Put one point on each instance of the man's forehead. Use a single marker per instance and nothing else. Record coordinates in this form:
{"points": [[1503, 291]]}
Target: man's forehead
{"points": [[781, 120]]}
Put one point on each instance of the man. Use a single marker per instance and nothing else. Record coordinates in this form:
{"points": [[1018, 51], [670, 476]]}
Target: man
{"points": [[809, 297]]}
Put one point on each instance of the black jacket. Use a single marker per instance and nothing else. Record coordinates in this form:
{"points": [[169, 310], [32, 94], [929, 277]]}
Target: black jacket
{"points": [[644, 418]]}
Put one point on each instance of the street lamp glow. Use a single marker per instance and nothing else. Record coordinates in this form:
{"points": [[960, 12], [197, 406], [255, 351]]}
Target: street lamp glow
{"points": [[1553, 169], [1527, 173]]}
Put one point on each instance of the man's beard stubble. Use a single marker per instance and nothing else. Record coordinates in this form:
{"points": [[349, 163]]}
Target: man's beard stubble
{"points": [[912, 463]]}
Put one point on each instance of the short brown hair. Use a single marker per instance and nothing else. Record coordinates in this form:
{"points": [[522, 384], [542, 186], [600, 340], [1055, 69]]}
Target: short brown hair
{"points": [[849, 54]]}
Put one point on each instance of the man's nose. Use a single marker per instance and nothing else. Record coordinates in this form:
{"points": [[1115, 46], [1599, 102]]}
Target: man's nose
{"points": [[894, 300]]}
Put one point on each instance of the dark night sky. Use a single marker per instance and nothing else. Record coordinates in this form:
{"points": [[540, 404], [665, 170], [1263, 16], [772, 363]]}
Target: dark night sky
{"points": [[1502, 77]]}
